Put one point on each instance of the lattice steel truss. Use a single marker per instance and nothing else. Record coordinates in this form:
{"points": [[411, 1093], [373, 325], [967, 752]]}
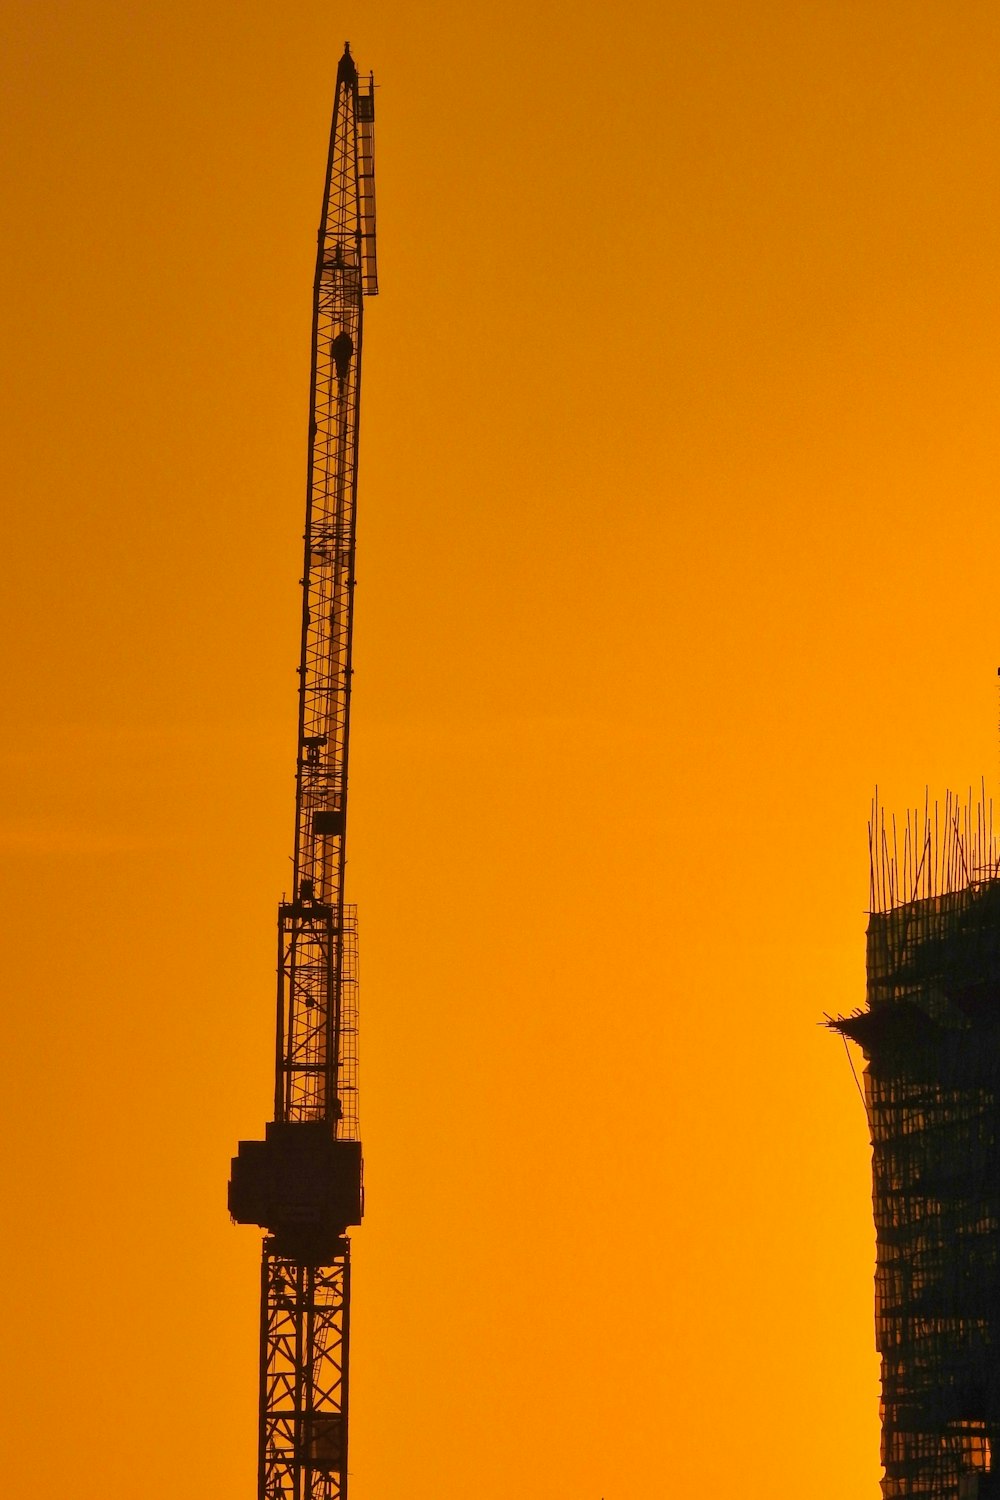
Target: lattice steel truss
{"points": [[303, 1182], [312, 923], [304, 1347]]}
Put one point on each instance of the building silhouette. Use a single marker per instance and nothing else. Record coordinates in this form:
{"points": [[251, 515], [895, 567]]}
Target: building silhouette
{"points": [[930, 1034]]}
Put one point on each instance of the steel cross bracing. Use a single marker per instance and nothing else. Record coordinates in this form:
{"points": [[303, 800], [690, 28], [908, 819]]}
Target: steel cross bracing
{"points": [[303, 1377], [303, 1182]]}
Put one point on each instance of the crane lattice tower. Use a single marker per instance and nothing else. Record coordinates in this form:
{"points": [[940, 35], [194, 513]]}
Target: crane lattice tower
{"points": [[302, 1184]]}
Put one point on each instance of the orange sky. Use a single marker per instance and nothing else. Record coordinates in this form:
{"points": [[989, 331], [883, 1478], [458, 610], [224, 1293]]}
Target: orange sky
{"points": [[677, 531]]}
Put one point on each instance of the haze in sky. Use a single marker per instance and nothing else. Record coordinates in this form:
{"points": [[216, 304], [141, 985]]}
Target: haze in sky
{"points": [[678, 531]]}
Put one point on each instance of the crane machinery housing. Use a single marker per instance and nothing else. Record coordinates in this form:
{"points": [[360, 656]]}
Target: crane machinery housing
{"points": [[302, 1183]]}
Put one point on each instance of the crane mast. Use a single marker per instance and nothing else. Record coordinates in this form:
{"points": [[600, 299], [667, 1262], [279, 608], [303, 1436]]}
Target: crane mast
{"points": [[302, 1184]]}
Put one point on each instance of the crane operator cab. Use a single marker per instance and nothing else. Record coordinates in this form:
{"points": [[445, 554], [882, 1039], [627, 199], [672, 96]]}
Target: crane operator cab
{"points": [[301, 1185]]}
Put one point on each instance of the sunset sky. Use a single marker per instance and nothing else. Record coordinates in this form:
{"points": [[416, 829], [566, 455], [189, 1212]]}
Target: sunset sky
{"points": [[678, 534]]}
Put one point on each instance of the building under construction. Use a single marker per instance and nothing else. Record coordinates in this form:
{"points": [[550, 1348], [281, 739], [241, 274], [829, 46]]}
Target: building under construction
{"points": [[930, 1034]]}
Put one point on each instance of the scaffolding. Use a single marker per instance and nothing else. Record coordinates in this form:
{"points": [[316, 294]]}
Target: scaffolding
{"points": [[930, 1034]]}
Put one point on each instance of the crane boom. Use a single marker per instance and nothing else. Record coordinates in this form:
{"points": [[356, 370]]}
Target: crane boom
{"points": [[302, 1183]]}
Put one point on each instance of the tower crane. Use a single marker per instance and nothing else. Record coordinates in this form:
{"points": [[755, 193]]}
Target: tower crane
{"points": [[302, 1183]]}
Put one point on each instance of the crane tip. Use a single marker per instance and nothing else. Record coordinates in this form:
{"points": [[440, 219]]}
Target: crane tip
{"points": [[347, 70]]}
